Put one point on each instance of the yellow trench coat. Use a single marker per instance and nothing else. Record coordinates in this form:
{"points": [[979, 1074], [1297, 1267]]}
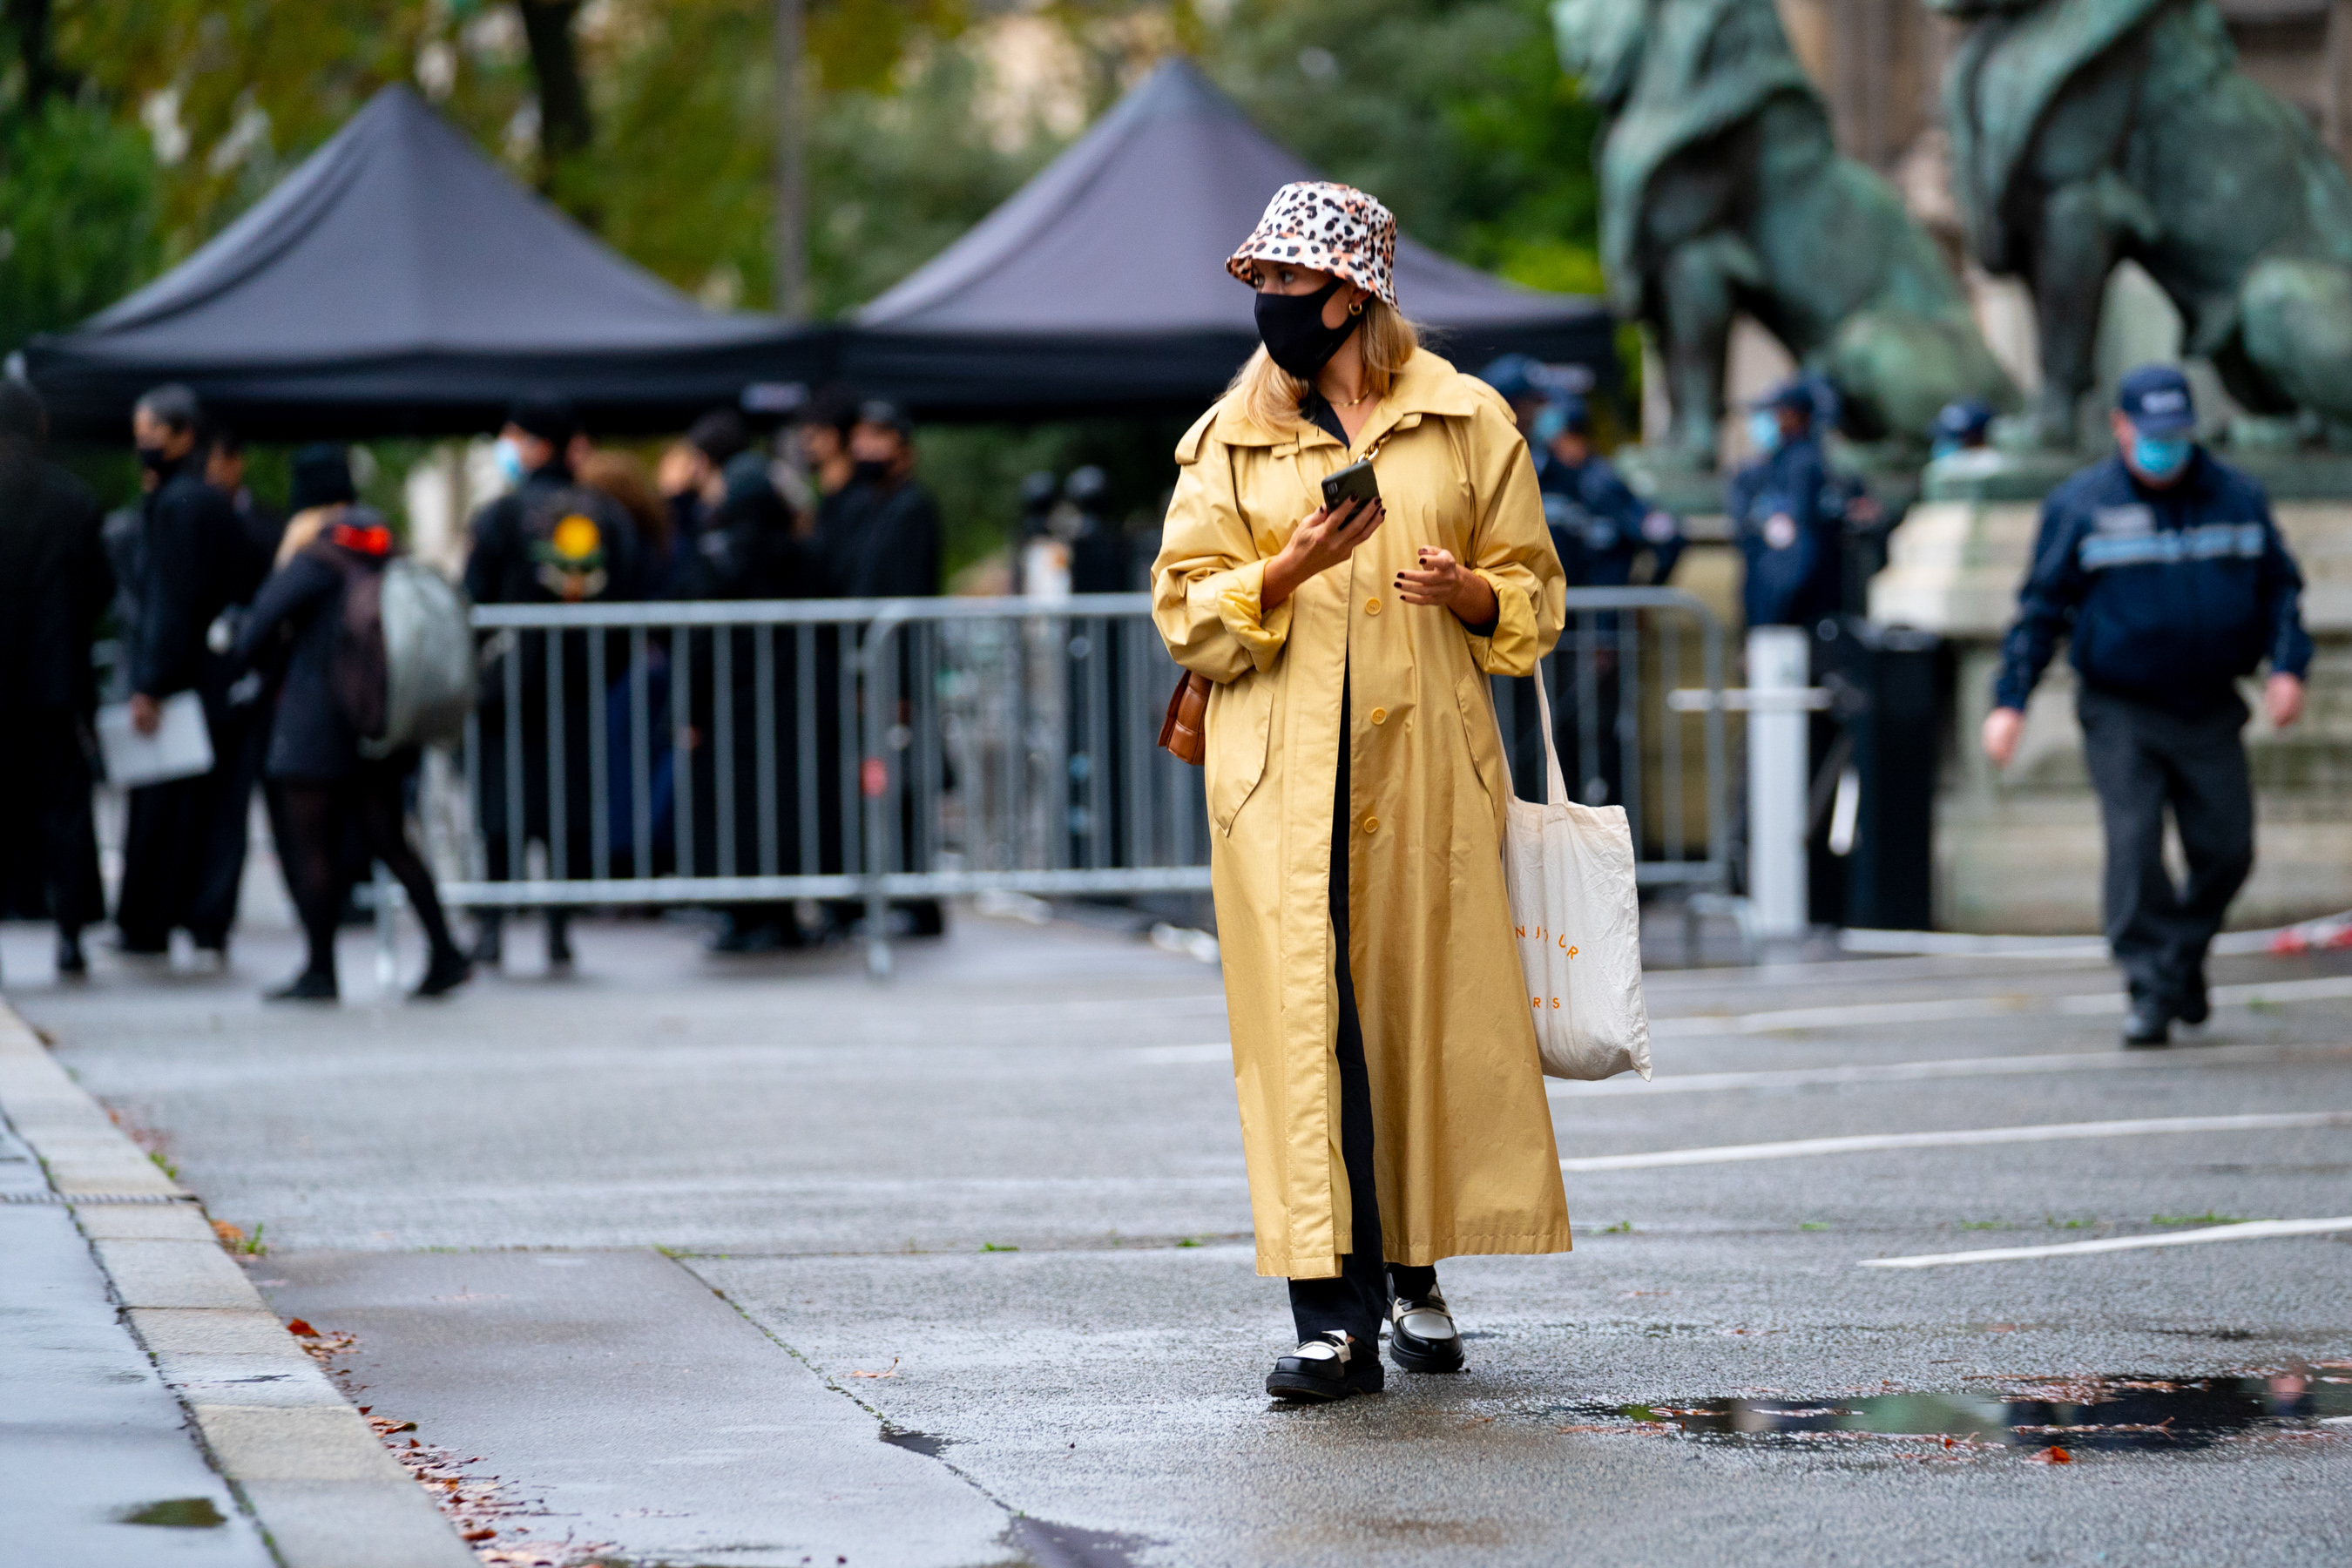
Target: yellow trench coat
{"points": [[1462, 1137]]}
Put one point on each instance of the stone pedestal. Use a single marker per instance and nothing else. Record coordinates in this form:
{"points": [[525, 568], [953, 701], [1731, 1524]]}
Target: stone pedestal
{"points": [[2020, 850]]}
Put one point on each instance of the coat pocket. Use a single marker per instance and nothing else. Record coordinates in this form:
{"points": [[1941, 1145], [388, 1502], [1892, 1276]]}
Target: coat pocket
{"points": [[1241, 721], [1481, 733]]}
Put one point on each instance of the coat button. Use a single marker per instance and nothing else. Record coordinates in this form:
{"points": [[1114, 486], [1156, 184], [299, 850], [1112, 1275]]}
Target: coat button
{"points": [[1379, 715], [1372, 606], [1372, 825]]}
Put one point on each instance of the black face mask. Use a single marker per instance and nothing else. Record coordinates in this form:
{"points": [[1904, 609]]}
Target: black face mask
{"points": [[1291, 326], [155, 457], [871, 469]]}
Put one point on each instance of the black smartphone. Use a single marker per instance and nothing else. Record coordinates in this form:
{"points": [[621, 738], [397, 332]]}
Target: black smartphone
{"points": [[1354, 482]]}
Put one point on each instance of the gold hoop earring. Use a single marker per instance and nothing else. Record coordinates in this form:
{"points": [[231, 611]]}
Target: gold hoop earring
{"points": [[1357, 309]]}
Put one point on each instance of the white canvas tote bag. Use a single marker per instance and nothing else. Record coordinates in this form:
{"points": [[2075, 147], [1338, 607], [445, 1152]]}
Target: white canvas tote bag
{"points": [[1578, 920]]}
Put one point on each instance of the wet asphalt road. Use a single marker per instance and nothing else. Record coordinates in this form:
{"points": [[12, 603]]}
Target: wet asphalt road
{"points": [[1013, 1182]]}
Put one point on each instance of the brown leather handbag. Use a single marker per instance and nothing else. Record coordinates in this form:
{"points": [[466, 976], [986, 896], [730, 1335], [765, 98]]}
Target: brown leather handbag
{"points": [[1184, 733]]}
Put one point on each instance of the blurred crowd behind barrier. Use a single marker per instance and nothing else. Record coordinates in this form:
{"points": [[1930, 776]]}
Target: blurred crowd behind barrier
{"points": [[879, 755]]}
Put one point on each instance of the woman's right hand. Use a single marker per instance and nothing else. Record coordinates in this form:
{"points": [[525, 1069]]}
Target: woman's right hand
{"points": [[1324, 540]]}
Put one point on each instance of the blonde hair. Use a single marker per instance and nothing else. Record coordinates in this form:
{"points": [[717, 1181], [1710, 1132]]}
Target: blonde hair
{"points": [[1270, 394]]}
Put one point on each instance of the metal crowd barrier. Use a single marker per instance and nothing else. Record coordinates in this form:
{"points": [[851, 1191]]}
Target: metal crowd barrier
{"points": [[882, 751]]}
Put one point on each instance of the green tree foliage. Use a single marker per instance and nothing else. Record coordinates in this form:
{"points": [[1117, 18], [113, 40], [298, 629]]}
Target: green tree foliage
{"points": [[1453, 112], [182, 112], [78, 207]]}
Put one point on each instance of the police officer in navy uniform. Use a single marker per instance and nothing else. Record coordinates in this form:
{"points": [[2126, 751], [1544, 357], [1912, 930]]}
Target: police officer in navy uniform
{"points": [[1790, 512], [2162, 568], [1603, 530]]}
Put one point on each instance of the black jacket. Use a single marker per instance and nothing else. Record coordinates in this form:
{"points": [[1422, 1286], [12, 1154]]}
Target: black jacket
{"points": [[294, 623], [54, 583], [884, 541], [745, 548], [2167, 595], [200, 562], [524, 553]]}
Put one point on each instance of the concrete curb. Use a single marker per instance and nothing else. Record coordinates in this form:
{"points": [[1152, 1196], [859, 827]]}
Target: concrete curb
{"points": [[319, 1482]]}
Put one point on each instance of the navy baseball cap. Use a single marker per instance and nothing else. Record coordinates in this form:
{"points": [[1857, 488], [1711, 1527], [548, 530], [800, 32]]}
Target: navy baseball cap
{"points": [[1964, 420], [1798, 392], [1515, 376], [2157, 400]]}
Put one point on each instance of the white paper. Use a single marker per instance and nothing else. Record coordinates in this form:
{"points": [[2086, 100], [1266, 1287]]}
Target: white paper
{"points": [[181, 747]]}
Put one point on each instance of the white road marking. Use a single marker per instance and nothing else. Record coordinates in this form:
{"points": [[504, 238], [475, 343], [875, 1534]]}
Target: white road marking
{"points": [[1951, 1009], [1960, 1066], [1873, 1142], [2245, 1230], [1160, 1056]]}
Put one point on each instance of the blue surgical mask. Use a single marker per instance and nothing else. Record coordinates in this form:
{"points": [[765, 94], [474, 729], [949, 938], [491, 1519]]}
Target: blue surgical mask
{"points": [[509, 458], [1549, 426], [1764, 431], [2159, 456]]}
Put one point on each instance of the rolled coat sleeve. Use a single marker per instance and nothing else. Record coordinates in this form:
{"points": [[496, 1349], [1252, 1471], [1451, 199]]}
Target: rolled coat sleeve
{"points": [[1208, 584], [1512, 548]]}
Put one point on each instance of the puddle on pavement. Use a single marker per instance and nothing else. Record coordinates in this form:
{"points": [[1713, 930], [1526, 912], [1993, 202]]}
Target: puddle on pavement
{"points": [[1051, 1545], [178, 1513], [929, 1444], [2089, 1414]]}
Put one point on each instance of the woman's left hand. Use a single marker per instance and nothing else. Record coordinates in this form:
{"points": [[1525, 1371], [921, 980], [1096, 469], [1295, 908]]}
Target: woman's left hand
{"points": [[1444, 581]]}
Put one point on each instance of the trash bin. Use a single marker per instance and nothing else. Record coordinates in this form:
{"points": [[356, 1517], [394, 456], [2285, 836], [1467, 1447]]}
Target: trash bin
{"points": [[1873, 803]]}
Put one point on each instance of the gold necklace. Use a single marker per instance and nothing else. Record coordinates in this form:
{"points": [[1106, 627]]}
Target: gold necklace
{"points": [[1353, 401]]}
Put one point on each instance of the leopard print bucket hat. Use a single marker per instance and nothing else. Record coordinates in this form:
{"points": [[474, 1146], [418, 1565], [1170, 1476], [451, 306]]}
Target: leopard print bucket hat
{"points": [[1331, 227]]}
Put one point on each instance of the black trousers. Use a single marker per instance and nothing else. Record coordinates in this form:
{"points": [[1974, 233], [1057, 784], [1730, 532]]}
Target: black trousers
{"points": [[48, 841], [2144, 760], [317, 818], [1356, 1299], [184, 847]]}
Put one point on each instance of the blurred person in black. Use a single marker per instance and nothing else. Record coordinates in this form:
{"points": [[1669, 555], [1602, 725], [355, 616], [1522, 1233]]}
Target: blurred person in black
{"points": [[753, 545], [264, 524], [552, 540], [821, 429], [321, 490], [887, 544], [1606, 538], [54, 585], [184, 853], [890, 539], [693, 485], [324, 781]]}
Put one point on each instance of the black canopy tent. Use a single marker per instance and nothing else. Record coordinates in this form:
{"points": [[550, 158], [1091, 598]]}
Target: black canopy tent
{"points": [[396, 282], [1100, 286]]}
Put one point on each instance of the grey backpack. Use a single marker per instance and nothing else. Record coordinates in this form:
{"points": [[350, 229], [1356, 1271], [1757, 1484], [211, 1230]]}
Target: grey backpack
{"points": [[428, 646]]}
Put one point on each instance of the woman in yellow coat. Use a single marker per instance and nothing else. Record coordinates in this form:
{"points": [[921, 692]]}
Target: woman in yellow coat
{"points": [[1392, 1098]]}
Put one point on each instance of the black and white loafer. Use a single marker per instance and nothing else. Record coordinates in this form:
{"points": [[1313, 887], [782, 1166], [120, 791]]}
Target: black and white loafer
{"points": [[1324, 1369], [1422, 1336]]}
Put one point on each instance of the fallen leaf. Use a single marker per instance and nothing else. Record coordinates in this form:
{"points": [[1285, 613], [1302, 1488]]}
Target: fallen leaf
{"points": [[891, 1371], [2052, 1454], [301, 1327]]}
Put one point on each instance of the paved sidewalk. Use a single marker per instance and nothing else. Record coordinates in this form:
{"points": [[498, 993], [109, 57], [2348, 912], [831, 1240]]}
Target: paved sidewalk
{"points": [[98, 1466], [127, 1289], [684, 1260]]}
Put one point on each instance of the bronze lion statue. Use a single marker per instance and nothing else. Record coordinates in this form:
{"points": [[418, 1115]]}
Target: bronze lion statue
{"points": [[1721, 191], [2086, 131]]}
